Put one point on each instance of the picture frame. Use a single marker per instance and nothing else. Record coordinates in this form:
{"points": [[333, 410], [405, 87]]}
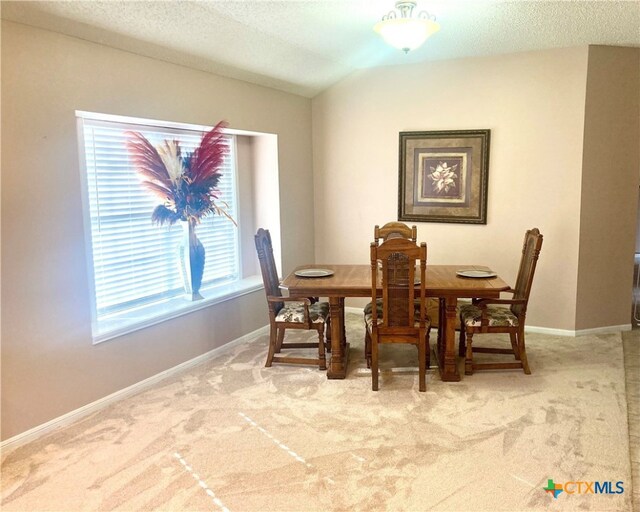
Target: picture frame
{"points": [[444, 176]]}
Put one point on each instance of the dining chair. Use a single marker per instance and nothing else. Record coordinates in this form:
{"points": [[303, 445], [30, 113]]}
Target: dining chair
{"points": [[389, 230], [435, 305], [394, 230], [289, 312], [399, 321], [491, 315]]}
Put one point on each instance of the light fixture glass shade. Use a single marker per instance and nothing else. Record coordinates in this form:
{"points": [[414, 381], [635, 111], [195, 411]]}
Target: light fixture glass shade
{"points": [[406, 33]]}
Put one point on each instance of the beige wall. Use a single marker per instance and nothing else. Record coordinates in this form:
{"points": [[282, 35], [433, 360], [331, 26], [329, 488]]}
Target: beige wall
{"points": [[638, 232], [49, 366], [534, 105], [610, 179]]}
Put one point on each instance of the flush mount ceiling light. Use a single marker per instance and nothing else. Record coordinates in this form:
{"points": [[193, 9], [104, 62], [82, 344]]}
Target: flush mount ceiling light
{"points": [[402, 30]]}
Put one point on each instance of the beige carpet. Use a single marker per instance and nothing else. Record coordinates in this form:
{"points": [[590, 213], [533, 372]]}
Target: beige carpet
{"points": [[233, 435]]}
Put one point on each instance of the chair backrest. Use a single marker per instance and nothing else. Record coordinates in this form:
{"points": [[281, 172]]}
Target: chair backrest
{"points": [[268, 265], [394, 230], [530, 252], [397, 275]]}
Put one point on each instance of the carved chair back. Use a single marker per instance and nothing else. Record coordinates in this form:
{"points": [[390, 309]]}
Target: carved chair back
{"points": [[394, 230], [530, 253], [268, 266], [398, 258]]}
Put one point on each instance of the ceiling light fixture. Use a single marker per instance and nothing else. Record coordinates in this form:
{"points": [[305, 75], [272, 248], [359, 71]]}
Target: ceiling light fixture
{"points": [[402, 30]]}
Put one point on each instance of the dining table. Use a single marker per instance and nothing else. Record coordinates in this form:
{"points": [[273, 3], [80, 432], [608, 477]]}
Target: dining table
{"points": [[337, 282]]}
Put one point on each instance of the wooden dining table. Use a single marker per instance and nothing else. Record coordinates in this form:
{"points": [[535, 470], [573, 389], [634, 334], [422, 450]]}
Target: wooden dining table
{"points": [[355, 281]]}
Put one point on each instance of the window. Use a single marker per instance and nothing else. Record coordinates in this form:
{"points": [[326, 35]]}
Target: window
{"points": [[134, 262]]}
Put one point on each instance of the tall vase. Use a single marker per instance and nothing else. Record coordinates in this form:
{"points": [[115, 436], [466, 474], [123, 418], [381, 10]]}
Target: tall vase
{"points": [[190, 261]]}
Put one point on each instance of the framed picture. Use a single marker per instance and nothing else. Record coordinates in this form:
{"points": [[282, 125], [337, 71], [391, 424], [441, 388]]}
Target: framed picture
{"points": [[444, 176]]}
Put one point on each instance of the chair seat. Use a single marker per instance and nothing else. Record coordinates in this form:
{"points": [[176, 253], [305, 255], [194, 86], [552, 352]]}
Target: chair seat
{"points": [[432, 303], [432, 310], [368, 320], [368, 308], [293, 312], [498, 316]]}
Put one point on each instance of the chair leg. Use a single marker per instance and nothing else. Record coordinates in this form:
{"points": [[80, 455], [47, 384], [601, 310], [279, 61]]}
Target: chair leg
{"points": [[343, 341], [367, 346], [523, 352], [462, 343], [321, 353], [468, 362], [422, 361], [441, 318], [374, 364], [427, 358], [272, 346], [280, 340], [327, 338], [514, 345]]}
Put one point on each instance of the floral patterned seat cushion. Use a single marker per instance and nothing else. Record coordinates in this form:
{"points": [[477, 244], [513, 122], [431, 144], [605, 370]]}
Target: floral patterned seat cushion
{"points": [[368, 320], [431, 303], [498, 316], [294, 312], [367, 308], [433, 308]]}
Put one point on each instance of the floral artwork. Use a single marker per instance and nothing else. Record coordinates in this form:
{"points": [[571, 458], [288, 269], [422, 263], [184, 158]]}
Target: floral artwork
{"points": [[186, 183], [443, 177]]}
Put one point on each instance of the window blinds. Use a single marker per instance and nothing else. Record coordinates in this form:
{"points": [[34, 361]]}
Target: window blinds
{"points": [[135, 261]]}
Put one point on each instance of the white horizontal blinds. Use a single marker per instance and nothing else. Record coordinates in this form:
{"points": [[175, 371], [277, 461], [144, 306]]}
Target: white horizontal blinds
{"points": [[135, 261], [218, 234]]}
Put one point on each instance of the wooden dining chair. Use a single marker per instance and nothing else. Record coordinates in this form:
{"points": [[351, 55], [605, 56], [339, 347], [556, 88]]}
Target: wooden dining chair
{"points": [[399, 322], [289, 312], [380, 234], [435, 305], [491, 315], [394, 230]]}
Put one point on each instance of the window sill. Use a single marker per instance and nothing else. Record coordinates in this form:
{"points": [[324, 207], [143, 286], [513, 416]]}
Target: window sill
{"points": [[131, 321]]}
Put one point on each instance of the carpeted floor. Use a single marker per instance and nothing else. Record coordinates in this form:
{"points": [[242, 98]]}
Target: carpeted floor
{"points": [[631, 346], [233, 435]]}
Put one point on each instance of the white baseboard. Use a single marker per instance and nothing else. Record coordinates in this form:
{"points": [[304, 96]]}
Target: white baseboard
{"points": [[85, 410], [605, 330], [610, 329], [550, 331]]}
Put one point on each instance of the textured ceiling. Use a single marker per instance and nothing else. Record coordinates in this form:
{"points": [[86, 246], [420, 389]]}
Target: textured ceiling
{"points": [[304, 46]]}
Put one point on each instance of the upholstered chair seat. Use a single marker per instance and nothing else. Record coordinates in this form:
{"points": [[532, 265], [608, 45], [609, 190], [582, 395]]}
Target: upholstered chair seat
{"points": [[367, 308], [295, 313], [471, 316], [368, 320], [433, 310]]}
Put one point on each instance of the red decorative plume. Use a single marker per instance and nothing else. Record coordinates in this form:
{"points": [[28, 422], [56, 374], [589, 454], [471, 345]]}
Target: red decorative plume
{"points": [[187, 184], [149, 165], [208, 157]]}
